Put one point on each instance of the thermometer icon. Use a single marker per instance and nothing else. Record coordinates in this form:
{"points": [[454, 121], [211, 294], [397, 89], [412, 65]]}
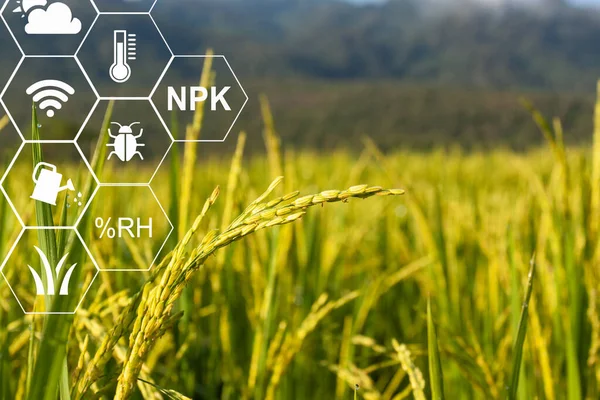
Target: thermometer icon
{"points": [[124, 48]]}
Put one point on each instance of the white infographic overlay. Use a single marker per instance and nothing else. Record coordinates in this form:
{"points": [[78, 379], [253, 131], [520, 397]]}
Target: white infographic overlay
{"points": [[58, 86], [49, 27], [125, 51], [57, 182], [45, 283], [114, 231], [137, 141], [75, 57], [124, 55], [126, 6], [178, 93], [10, 144]]}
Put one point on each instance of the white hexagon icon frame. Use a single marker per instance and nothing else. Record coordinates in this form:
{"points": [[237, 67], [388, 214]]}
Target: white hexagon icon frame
{"points": [[83, 292], [80, 54], [235, 79], [159, 251], [84, 207], [86, 80], [163, 154], [44, 14]]}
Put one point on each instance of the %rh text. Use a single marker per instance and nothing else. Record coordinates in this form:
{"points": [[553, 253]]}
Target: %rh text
{"points": [[124, 226]]}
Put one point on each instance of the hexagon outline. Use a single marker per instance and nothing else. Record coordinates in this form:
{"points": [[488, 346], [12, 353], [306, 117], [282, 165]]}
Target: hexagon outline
{"points": [[47, 56], [119, 184], [95, 8], [12, 207], [6, 196], [159, 31], [87, 205], [170, 224], [243, 91], [83, 210], [89, 30], [76, 55], [166, 237], [87, 79], [8, 26], [10, 79], [161, 161], [5, 88], [41, 55], [170, 147], [85, 122], [161, 120], [3, 178], [167, 130], [234, 76], [95, 178], [12, 249], [124, 12]]}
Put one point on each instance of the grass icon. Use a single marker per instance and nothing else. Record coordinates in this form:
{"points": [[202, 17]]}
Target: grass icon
{"points": [[50, 276]]}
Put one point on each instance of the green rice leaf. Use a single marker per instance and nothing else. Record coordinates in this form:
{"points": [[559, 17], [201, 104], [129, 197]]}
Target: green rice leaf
{"points": [[520, 338], [435, 367], [50, 366]]}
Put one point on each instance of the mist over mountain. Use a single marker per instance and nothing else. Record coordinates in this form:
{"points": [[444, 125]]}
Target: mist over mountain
{"points": [[535, 44], [460, 5], [495, 4]]}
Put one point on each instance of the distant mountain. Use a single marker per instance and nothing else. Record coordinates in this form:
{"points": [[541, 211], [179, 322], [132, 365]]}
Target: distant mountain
{"points": [[550, 46], [409, 74]]}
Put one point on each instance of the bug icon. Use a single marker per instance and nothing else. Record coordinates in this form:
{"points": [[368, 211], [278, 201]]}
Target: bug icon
{"points": [[125, 143]]}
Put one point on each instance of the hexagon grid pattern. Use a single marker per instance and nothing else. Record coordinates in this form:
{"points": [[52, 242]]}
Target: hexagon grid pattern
{"points": [[76, 57]]}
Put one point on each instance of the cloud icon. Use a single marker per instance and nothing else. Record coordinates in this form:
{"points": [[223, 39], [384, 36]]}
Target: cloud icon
{"points": [[56, 19]]}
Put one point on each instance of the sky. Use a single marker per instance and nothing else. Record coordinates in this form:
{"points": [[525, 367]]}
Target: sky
{"points": [[586, 2], [497, 2]]}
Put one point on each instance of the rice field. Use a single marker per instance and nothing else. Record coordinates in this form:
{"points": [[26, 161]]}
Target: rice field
{"points": [[288, 276]]}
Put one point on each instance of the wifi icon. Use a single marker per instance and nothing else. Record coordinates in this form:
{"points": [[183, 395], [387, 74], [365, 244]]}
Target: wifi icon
{"points": [[50, 95]]}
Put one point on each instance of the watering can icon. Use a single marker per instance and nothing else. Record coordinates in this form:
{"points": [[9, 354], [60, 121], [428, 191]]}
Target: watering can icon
{"points": [[47, 183]]}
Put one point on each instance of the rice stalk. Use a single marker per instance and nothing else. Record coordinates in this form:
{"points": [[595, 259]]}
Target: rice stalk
{"points": [[272, 141], [190, 149], [415, 375], [293, 342], [155, 304]]}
